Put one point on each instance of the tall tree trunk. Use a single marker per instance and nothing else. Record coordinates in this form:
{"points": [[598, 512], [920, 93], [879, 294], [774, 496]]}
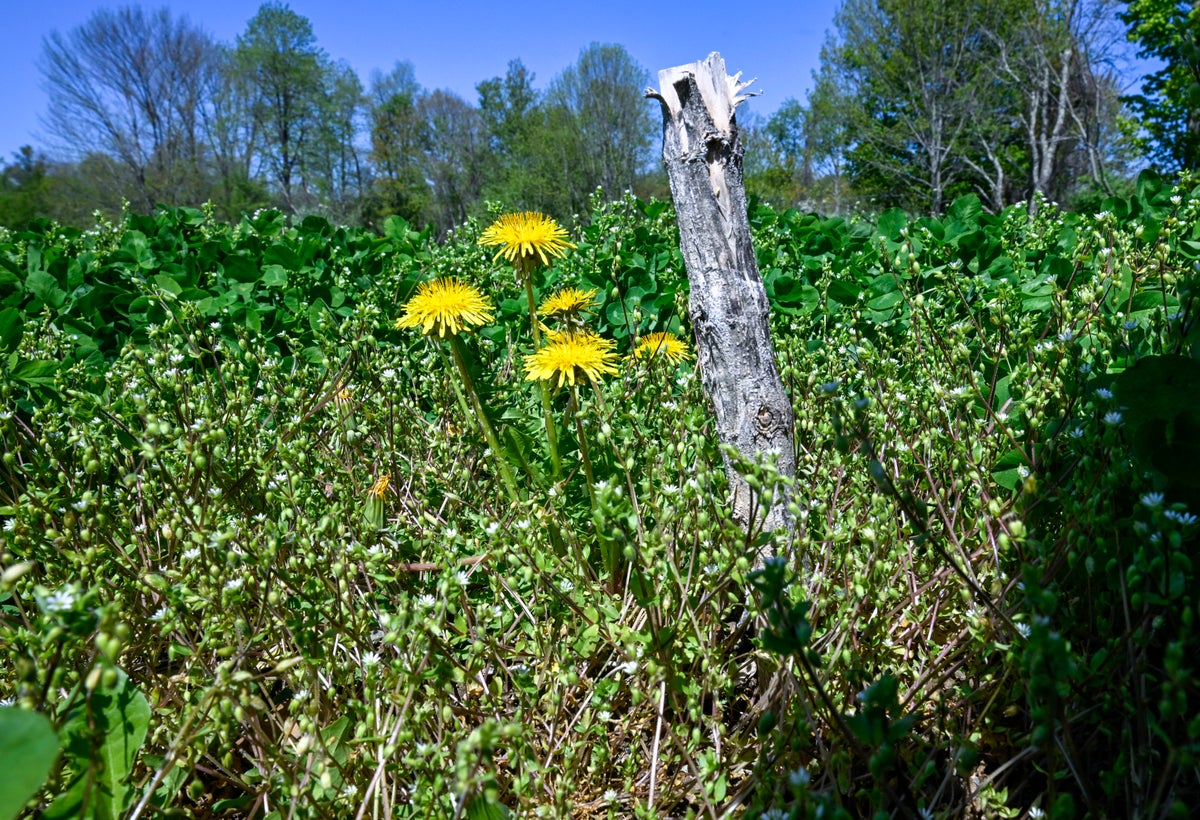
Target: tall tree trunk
{"points": [[728, 304]]}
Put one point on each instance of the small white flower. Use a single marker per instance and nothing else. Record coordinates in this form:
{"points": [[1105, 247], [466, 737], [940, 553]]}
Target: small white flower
{"points": [[461, 578], [773, 814], [451, 533], [523, 524], [830, 387], [1104, 393], [162, 613], [59, 601], [370, 658], [1085, 368], [1066, 335], [611, 796], [629, 667], [191, 553], [1024, 629], [1152, 499], [799, 778], [426, 601], [566, 585], [234, 583], [1130, 324], [10, 525], [1112, 418], [1184, 518]]}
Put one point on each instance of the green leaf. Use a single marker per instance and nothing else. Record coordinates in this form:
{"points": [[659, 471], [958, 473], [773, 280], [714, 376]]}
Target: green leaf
{"points": [[891, 222], [168, 284], [966, 210], [107, 730], [44, 287], [12, 327], [36, 373], [1007, 471], [274, 276], [483, 809], [28, 747]]}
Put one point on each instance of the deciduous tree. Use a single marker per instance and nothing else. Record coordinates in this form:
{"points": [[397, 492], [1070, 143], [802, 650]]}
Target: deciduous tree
{"points": [[284, 66], [1169, 105], [132, 84]]}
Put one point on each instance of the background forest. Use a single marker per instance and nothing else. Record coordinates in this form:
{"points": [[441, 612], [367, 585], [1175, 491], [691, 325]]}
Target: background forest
{"points": [[915, 103]]}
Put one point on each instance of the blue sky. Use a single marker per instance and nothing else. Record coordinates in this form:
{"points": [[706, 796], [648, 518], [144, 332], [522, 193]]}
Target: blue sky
{"points": [[455, 45]]}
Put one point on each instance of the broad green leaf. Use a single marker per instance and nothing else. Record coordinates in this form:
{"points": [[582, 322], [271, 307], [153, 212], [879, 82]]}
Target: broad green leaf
{"points": [[12, 326], [44, 287], [483, 809], [28, 747], [108, 729], [274, 276], [891, 222]]}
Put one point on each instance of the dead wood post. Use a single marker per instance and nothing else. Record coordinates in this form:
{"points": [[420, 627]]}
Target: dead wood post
{"points": [[728, 303]]}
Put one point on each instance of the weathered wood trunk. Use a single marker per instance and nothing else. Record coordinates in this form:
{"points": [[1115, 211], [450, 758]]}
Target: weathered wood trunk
{"points": [[728, 303]]}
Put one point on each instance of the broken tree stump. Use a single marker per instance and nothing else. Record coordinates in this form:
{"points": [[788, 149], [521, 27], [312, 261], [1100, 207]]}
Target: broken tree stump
{"points": [[728, 304]]}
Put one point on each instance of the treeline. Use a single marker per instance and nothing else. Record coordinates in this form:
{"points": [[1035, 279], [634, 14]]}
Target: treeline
{"points": [[915, 103], [148, 108]]}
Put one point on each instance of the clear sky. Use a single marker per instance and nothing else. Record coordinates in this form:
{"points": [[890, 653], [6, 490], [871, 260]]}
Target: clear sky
{"points": [[455, 45]]}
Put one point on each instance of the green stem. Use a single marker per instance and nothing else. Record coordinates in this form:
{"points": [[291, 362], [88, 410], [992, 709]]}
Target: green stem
{"points": [[547, 414], [489, 434], [584, 453]]}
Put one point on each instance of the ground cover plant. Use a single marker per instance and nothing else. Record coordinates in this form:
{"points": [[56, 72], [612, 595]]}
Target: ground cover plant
{"points": [[302, 521]]}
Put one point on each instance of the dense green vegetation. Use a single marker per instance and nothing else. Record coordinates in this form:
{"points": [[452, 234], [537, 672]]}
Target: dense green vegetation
{"points": [[216, 603]]}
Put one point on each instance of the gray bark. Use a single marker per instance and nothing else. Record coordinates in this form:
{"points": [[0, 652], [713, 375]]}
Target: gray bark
{"points": [[728, 303]]}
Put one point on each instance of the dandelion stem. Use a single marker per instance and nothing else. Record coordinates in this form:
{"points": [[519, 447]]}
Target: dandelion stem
{"points": [[489, 434], [547, 414], [584, 453]]}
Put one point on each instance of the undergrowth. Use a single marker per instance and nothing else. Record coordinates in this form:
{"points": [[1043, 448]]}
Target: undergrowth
{"points": [[259, 562]]}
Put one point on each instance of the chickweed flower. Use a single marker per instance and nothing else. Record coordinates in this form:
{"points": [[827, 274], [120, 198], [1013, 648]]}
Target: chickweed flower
{"points": [[1152, 499], [522, 237], [445, 306], [1187, 519], [665, 344], [60, 601], [1113, 418], [570, 357]]}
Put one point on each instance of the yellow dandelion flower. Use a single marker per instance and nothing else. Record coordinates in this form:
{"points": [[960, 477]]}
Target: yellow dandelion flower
{"points": [[521, 236], [379, 488], [341, 394], [571, 356], [445, 305], [568, 302], [665, 344]]}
